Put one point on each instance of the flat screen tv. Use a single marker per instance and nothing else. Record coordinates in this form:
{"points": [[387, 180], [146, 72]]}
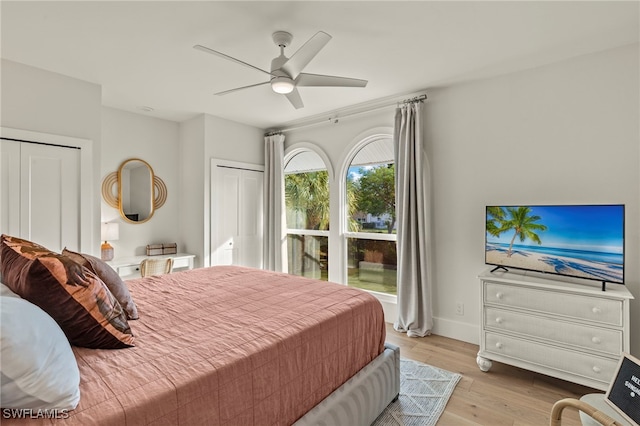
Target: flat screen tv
{"points": [[582, 241]]}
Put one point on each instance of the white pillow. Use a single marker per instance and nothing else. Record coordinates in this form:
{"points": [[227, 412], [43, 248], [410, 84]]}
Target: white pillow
{"points": [[6, 291], [37, 366]]}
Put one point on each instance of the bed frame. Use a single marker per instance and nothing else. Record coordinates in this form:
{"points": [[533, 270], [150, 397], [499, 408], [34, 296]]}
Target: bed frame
{"points": [[361, 399]]}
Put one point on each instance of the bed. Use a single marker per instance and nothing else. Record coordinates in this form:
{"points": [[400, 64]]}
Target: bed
{"points": [[230, 345]]}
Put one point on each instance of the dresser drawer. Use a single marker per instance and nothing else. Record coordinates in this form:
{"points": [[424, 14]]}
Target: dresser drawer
{"points": [[580, 307], [565, 361], [587, 337]]}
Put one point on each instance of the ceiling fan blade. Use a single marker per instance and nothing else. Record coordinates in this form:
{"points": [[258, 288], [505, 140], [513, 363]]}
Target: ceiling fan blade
{"points": [[222, 55], [241, 88], [295, 99], [305, 79], [305, 54]]}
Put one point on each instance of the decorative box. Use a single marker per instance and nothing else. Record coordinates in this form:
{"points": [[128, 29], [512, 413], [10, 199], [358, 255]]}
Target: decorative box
{"points": [[154, 249], [170, 248]]}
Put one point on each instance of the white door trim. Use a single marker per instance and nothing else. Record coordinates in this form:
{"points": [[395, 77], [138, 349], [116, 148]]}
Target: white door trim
{"points": [[86, 177]]}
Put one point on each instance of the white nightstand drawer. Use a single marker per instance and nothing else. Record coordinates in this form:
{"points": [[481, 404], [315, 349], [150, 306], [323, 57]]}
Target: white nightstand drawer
{"points": [[588, 337], [557, 358], [581, 307]]}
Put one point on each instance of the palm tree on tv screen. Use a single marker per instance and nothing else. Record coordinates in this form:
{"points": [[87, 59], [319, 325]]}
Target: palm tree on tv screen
{"points": [[494, 214], [523, 223]]}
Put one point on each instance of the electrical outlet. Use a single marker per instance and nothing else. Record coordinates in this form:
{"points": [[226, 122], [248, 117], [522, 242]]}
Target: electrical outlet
{"points": [[459, 308]]}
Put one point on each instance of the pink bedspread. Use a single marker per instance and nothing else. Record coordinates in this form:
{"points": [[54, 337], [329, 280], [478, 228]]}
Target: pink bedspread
{"points": [[228, 346]]}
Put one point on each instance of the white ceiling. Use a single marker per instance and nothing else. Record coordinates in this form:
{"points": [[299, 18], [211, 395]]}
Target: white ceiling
{"points": [[141, 52]]}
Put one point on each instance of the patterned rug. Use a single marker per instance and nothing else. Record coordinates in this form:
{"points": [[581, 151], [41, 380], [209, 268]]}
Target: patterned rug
{"points": [[424, 392]]}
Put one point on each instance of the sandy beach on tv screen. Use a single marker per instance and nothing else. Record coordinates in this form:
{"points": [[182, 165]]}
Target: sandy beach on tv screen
{"points": [[555, 264]]}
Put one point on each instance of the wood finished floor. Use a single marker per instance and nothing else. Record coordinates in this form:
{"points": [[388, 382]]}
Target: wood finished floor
{"points": [[505, 395]]}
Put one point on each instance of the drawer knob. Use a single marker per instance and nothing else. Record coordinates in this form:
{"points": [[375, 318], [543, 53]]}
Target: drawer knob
{"points": [[499, 320], [596, 310], [499, 345], [596, 340], [596, 369], [499, 295]]}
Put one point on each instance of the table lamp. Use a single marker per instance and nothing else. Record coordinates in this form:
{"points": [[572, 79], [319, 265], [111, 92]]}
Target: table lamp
{"points": [[108, 232]]}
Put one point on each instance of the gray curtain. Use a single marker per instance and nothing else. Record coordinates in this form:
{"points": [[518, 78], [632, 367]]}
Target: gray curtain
{"points": [[414, 229], [275, 223]]}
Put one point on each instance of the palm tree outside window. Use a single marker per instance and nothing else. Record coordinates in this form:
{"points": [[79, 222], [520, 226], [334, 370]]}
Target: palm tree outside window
{"points": [[307, 206]]}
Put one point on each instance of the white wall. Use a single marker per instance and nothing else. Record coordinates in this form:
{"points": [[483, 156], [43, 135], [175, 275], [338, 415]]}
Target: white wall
{"points": [[563, 133], [192, 175], [126, 135], [41, 101], [201, 139]]}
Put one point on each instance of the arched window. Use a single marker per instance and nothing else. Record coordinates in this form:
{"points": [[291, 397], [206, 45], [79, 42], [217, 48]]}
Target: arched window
{"points": [[370, 223], [307, 206]]}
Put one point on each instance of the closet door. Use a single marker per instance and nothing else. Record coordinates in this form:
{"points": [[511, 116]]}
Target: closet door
{"points": [[236, 208], [10, 187], [41, 192]]}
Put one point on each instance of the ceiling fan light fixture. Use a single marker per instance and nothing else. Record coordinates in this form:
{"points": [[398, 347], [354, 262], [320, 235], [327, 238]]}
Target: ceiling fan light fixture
{"points": [[282, 85]]}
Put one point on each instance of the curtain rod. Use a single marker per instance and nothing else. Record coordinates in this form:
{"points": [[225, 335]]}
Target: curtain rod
{"points": [[337, 116], [413, 100]]}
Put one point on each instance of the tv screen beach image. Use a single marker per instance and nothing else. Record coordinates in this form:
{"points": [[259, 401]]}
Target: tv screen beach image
{"points": [[579, 241]]}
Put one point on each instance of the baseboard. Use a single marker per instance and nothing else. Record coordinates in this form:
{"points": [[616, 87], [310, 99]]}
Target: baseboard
{"points": [[463, 331]]}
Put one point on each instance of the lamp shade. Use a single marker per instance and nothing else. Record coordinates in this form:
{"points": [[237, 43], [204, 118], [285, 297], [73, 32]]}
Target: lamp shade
{"points": [[109, 232]]}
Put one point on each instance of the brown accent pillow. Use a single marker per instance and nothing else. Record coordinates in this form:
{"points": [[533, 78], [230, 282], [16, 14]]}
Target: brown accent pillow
{"points": [[110, 277], [73, 296]]}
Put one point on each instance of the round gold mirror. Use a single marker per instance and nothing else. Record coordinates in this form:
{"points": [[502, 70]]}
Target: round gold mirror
{"points": [[138, 192]]}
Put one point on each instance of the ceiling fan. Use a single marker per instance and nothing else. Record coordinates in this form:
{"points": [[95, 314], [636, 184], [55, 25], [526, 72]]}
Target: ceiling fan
{"points": [[286, 73]]}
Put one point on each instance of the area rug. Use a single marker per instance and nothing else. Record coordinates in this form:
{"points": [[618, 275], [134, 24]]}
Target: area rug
{"points": [[424, 392]]}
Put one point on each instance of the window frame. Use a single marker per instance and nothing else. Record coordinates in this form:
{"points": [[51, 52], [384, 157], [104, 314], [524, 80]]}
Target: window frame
{"points": [[356, 145], [289, 154]]}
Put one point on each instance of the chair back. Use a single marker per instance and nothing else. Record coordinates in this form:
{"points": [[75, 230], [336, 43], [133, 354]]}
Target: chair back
{"points": [[156, 266]]}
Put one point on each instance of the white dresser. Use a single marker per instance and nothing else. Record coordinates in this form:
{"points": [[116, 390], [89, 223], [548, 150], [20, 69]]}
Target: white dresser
{"points": [[129, 267], [563, 327]]}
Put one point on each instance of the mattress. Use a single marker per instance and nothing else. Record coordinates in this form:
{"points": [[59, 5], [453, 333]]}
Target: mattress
{"points": [[228, 345]]}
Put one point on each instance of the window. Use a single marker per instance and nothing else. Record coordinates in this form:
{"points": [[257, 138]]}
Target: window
{"points": [[370, 217], [307, 208]]}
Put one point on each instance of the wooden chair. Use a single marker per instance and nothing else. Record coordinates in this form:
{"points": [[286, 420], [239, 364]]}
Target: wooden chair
{"points": [[156, 266]]}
